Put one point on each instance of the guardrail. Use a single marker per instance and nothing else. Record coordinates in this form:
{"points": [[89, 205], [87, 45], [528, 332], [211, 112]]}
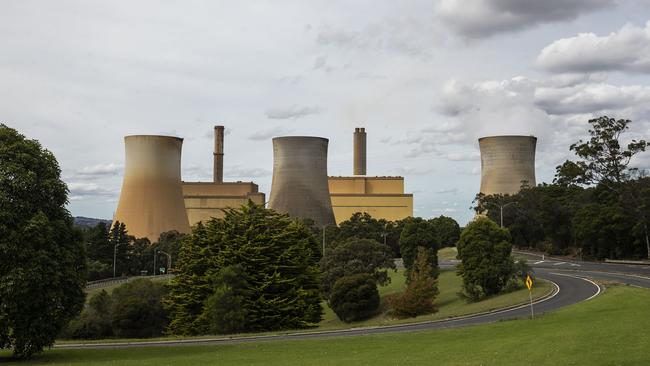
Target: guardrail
{"points": [[617, 261], [119, 280]]}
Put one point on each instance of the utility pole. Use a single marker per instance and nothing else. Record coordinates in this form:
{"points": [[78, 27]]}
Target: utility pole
{"points": [[324, 226], [155, 255], [115, 258], [501, 207]]}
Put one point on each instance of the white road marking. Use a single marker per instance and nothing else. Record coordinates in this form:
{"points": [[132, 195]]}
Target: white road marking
{"points": [[575, 265], [559, 263], [538, 262]]}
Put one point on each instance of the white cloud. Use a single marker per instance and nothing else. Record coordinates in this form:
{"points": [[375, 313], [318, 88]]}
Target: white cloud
{"points": [[484, 18], [246, 172], [628, 49], [292, 112], [590, 98]]}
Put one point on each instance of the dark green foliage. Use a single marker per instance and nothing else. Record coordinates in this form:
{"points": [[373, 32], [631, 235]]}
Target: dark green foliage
{"points": [[278, 256], [136, 309], [364, 226], [447, 231], [418, 232], [354, 256], [42, 257], [354, 297], [95, 320], [224, 310], [486, 264], [603, 231], [419, 296]]}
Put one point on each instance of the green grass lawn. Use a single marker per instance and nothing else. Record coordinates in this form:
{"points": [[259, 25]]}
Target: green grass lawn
{"points": [[612, 329], [449, 303], [447, 254]]}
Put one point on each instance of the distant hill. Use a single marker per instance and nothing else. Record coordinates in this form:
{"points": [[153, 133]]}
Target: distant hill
{"points": [[87, 222]]}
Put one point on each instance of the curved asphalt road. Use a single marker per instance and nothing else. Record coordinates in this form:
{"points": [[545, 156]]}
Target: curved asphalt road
{"points": [[572, 286]]}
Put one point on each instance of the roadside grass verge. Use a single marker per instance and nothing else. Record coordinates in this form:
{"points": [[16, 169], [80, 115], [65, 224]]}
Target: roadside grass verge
{"points": [[611, 329]]}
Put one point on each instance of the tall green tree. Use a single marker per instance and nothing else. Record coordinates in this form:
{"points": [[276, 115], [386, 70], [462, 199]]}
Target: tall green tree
{"points": [[418, 232], [42, 256], [279, 257], [421, 291], [486, 262]]}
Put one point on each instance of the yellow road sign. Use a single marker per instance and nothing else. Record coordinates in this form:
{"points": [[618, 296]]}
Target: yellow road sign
{"points": [[529, 282]]}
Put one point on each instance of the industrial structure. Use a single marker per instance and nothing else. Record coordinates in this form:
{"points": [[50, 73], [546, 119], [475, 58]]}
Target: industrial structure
{"points": [[299, 186], [204, 200], [151, 200], [381, 197], [507, 163]]}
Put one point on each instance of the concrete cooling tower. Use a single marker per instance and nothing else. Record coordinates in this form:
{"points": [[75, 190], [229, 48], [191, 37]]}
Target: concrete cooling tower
{"points": [[151, 201], [299, 187], [506, 163]]}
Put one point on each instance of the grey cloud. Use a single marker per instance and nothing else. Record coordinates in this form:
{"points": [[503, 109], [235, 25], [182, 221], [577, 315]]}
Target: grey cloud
{"points": [[292, 112], [99, 170], [267, 134], [447, 191], [84, 190], [590, 98], [628, 49], [409, 171], [246, 172], [484, 18]]}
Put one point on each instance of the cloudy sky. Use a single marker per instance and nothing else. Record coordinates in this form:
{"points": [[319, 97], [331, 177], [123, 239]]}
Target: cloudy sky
{"points": [[426, 79]]}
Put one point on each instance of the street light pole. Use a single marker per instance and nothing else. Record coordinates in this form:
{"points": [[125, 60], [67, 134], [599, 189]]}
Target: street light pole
{"points": [[501, 207], [115, 258], [155, 255], [324, 226], [169, 260]]}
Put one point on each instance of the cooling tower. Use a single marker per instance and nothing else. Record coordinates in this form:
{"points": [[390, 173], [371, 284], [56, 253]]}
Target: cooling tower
{"points": [[299, 187], [506, 163], [151, 201], [359, 142]]}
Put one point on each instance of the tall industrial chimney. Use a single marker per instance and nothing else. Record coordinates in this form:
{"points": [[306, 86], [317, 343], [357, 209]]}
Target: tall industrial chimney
{"points": [[507, 162], [218, 154], [151, 200], [299, 187], [359, 151]]}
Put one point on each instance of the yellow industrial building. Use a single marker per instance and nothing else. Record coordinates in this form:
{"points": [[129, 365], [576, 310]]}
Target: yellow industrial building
{"points": [[204, 200], [380, 197]]}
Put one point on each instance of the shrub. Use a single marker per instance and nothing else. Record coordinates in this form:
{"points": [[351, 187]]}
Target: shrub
{"points": [[486, 264], [354, 297], [137, 309], [354, 256], [419, 296], [94, 321]]}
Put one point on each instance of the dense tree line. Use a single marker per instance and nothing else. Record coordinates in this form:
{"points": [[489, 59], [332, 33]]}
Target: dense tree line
{"points": [[133, 256], [597, 207]]}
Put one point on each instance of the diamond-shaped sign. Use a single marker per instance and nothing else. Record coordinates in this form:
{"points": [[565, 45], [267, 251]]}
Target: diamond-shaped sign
{"points": [[529, 282]]}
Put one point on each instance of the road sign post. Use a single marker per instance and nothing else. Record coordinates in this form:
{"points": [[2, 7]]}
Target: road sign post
{"points": [[529, 284]]}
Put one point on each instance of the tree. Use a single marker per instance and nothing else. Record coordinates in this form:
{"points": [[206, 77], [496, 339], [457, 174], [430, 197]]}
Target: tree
{"points": [[354, 256], [279, 257], [418, 232], [419, 296], [224, 311], [447, 231], [603, 159], [120, 243], [137, 310], [354, 297], [42, 256], [94, 321], [486, 264]]}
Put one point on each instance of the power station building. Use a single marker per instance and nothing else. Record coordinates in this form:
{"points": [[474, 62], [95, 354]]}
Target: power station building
{"points": [[151, 200], [204, 200], [381, 197], [507, 163]]}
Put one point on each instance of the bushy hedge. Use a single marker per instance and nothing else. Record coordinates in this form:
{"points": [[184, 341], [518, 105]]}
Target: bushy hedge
{"points": [[354, 297]]}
